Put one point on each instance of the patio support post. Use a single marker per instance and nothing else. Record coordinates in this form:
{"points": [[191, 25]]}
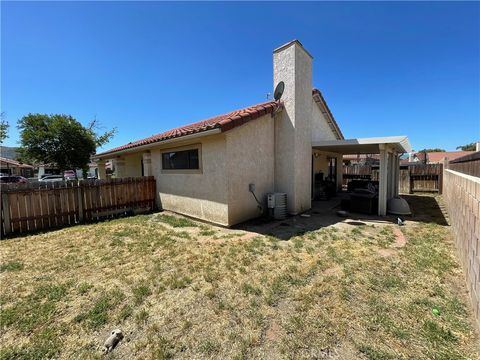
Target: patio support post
{"points": [[102, 173], [383, 180], [396, 179], [389, 174]]}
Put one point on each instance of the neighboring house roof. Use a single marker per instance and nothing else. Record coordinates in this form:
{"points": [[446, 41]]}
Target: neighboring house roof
{"points": [[435, 157], [320, 100], [14, 163], [223, 122]]}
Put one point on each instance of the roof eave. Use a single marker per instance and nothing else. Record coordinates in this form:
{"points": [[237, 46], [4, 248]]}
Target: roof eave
{"points": [[319, 99], [113, 154]]}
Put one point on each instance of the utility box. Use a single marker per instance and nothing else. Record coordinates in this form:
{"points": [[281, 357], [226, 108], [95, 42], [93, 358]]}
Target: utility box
{"points": [[277, 205]]}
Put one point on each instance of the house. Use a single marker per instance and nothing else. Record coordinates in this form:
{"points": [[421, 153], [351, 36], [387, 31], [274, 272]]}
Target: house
{"points": [[436, 157], [14, 167], [216, 169]]}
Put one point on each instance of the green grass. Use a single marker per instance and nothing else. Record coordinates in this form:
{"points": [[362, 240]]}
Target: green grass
{"points": [[98, 313], [176, 221], [329, 292], [11, 266], [140, 293]]}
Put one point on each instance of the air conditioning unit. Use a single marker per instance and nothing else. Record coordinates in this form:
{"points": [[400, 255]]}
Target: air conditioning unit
{"points": [[277, 205]]}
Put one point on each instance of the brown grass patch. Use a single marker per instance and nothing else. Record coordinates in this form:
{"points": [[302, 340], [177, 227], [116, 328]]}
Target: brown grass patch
{"points": [[183, 289]]}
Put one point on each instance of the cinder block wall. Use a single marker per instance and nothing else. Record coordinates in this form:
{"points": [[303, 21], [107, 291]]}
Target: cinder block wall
{"points": [[462, 196]]}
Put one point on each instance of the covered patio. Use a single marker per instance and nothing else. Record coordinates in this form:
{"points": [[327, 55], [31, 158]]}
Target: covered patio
{"points": [[389, 148]]}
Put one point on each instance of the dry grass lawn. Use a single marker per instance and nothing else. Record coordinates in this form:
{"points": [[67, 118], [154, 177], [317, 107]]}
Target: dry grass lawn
{"points": [[181, 289]]}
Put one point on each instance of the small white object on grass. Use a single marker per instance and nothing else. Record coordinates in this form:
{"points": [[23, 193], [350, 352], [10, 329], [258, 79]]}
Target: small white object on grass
{"points": [[112, 341], [400, 222]]}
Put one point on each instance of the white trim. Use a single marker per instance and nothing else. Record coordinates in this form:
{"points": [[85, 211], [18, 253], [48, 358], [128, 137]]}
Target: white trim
{"points": [[114, 154], [401, 143]]}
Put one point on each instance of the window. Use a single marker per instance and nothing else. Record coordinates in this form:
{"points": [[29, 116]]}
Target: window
{"points": [[182, 160]]}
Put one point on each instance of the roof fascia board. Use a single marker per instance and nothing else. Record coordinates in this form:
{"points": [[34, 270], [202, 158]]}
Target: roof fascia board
{"points": [[111, 155], [326, 111]]}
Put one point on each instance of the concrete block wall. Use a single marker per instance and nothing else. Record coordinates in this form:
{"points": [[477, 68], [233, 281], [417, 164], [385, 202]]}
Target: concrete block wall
{"points": [[462, 196]]}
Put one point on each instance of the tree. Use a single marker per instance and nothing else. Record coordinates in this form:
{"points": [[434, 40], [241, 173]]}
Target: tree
{"points": [[59, 139], [4, 125], [433, 150], [469, 147]]}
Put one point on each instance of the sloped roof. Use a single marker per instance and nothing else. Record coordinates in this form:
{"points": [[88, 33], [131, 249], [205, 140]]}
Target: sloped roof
{"points": [[14, 163], [227, 122], [320, 100], [223, 122], [435, 157]]}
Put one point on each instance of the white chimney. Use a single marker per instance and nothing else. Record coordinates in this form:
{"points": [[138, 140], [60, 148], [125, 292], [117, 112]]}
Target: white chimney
{"points": [[292, 64]]}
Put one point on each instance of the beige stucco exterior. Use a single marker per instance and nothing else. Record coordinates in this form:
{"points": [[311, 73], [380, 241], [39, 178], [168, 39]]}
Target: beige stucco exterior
{"points": [[272, 152], [293, 149], [250, 160], [320, 128], [219, 191], [201, 194]]}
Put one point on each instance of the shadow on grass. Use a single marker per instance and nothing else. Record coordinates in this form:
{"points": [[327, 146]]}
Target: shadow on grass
{"points": [[425, 208]]}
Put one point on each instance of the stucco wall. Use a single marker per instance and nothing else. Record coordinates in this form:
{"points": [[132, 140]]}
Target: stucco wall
{"points": [[250, 160], [320, 128], [202, 195], [133, 165], [293, 149]]}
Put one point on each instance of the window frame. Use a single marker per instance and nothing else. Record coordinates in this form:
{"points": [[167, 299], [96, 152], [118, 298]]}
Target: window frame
{"points": [[197, 147]]}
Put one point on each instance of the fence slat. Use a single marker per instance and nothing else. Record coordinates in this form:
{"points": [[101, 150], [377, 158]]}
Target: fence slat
{"points": [[421, 177], [6, 214], [36, 206]]}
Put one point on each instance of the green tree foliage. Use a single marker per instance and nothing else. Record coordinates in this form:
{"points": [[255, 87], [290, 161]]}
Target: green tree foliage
{"points": [[433, 150], [468, 147], [59, 139], [4, 125]]}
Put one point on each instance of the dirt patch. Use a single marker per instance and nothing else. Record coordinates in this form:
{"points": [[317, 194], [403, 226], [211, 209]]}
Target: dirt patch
{"points": [[386, 252], [400, 240], [273, 331]]}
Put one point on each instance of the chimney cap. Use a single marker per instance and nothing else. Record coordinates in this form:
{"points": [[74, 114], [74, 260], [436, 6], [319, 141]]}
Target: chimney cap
{"points": [[290, 43]]}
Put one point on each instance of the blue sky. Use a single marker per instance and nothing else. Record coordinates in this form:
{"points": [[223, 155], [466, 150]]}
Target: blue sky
{"points": [[384, 68]]}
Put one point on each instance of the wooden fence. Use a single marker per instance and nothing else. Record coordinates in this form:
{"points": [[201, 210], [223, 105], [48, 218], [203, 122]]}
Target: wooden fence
{"points": [[469, 164], [45, 205], [413, 178]]}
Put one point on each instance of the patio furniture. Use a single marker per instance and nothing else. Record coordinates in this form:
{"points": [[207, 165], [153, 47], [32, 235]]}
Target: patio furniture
{"points": [[364, 201]]}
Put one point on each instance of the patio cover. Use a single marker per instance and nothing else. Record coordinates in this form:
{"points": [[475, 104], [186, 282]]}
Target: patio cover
{"points": [[390, 148]]}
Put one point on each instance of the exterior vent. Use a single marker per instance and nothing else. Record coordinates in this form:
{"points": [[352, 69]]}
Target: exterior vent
{"points": [[277, 205]]}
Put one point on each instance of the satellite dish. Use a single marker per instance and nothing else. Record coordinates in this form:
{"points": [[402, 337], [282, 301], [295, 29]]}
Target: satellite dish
{"points": [[279, 91]]}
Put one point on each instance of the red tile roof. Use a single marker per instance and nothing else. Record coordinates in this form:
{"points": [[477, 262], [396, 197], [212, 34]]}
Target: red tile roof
{"points": [[223, 122], [436, 157]]}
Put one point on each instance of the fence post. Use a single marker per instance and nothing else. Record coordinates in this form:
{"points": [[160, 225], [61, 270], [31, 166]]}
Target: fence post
{"points": [[440, 178], [6, 213], [80, 202], [410, 181]]}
